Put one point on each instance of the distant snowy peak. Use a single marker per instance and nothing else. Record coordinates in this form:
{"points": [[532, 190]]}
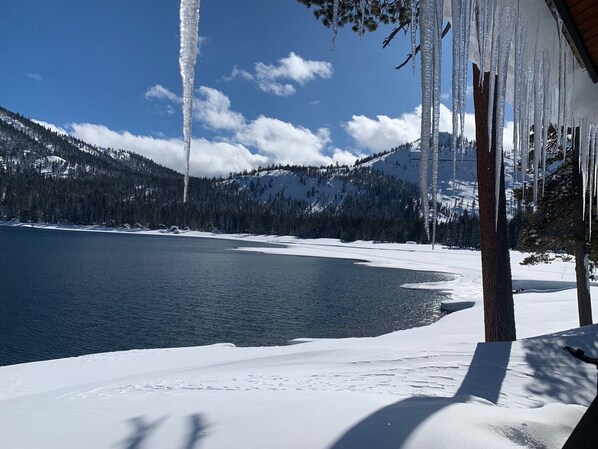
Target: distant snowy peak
{"points": [[30, 145], [324, 187], [320, 187], [403, 163]]}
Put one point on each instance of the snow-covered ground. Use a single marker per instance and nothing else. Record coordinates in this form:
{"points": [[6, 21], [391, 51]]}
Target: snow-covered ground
{"points": [[429, 387]]}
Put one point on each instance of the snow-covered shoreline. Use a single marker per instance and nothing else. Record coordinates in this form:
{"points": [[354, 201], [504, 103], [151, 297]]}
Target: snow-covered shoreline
{"points": [[432, 386]]}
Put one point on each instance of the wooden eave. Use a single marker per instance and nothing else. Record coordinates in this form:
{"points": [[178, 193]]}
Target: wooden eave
{"points": [[580, 26]]}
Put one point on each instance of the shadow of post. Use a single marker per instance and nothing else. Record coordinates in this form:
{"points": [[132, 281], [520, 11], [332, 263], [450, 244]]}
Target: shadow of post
{"points": [[141, 432], [487, 371], [197, 431], [391, 426]]}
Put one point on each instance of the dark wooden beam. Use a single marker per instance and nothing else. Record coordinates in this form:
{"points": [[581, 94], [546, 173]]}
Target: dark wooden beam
{"points": [[574, 38]]}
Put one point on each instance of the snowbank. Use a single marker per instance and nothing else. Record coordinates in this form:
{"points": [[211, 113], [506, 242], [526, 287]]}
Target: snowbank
{"points": [[427, 387]]}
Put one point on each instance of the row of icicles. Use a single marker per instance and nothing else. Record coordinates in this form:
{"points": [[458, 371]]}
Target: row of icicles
{"points": [[508, 43], [534, 69]]}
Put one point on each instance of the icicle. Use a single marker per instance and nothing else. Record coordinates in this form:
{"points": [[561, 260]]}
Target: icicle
{"points": [[466, 33], [591, 172], [413, 31], [538, 102], [519, 94], [189, 15], [456, 9], [503, 48], [561, 132], [525, 134], [362, 5], [335, 7], [516, 93], [595, 166], [481, 18], [461, 20], [583, 158], [426, 36], [437, 49], [545, 122], [494, 30], [595, 161]]}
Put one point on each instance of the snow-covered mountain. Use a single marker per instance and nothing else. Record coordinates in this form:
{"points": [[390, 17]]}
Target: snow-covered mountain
{"points": [[328, 186], [31, 146]]}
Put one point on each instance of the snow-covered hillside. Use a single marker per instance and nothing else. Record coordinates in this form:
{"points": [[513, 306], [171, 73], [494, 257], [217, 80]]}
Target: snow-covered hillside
{"points": [[35, 146], [323, 187]]}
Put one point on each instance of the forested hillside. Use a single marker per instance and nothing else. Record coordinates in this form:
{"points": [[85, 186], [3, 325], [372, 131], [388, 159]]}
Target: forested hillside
{"points": [[54, 178]]}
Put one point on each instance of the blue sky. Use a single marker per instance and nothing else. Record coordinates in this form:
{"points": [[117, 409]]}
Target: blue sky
{"points": [[270, 90]]}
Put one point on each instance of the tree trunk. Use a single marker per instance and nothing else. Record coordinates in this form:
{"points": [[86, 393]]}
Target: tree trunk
{"points": [[584, 303], [499, 316]]}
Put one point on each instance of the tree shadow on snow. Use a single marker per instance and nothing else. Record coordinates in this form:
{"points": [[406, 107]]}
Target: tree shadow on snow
{"points": [[197, 431], [391, 426], [143, 430], [557, 374]]}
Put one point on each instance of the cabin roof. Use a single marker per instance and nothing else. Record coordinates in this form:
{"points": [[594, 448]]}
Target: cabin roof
{"points": [[580, 25]]}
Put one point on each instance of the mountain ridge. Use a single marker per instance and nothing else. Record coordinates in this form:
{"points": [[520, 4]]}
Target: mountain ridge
{"points": [[50, 177]]}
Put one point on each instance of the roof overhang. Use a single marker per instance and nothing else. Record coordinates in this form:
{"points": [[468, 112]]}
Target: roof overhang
{"points": [[580, 27]]}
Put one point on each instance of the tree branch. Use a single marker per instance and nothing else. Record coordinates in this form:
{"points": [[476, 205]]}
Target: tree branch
{"points": [[411, 55], [391, 36]]}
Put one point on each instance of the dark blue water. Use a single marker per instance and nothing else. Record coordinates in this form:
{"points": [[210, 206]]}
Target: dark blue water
{"points": [[64, 294]]}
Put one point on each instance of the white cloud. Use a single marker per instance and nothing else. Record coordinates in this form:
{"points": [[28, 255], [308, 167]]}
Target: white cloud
{"points": [[276, 78], [284, 143], [202, 41], [384, 132], [51, 127], [277, 141], [344, 157], [34, 76], [207, 158], [159, 92], [213, 109], [249, 144], [274, 142], [263, 141]]}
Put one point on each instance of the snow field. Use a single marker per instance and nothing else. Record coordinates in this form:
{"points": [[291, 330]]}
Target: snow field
{"points": [[429, 387]]}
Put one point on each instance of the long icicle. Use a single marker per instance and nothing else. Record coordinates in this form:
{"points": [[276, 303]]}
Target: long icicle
{"points": [[494, 30], [413, 31], [466, 33], [335, 8], [538, 96], [426, 36], [456, 10], [545, 122], [189, 15], [591, 172], [437, 48], [504, 45], [362, 6], [461, 17]]}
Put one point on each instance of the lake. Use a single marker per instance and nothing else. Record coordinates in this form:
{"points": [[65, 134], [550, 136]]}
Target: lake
{"points": [[65, 294]]}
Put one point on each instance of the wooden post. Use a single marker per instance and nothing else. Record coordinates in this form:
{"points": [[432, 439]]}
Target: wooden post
{"points": [[499, 315]]}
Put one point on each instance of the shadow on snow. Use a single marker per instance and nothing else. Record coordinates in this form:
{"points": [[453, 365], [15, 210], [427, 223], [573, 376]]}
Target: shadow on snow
{"points": [[143, 430], [557, 377]]}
